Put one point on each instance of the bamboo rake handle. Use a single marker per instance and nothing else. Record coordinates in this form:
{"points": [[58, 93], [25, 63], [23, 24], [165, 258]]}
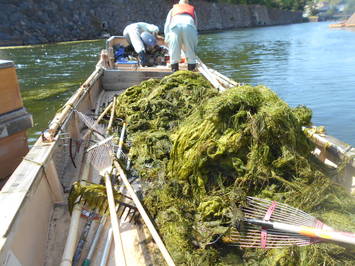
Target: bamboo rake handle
{"points": [[112, 114], [98, 120], [107, 247], [119, 253], [72, 238], [145, 216], [208, 75], [94, 242]]}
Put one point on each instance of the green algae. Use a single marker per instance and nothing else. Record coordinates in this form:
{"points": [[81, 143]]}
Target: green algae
{"points": [[46, 93], [200, 153], [92, 196]]}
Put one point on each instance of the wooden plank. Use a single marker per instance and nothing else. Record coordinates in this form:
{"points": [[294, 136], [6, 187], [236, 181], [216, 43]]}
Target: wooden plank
{"points": [[114, 40], [23, 182], [9, 89], [53, 181], [15, 192], [12, 150], [31, 226], [120, 258], [116, 80]]}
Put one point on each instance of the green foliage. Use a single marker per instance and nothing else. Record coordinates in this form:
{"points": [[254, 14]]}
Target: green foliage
{"points": [[200, 153], [349, 7], [292, 5]]}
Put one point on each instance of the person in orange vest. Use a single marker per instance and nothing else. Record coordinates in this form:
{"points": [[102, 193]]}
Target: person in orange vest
{"points": [[181, 33]]}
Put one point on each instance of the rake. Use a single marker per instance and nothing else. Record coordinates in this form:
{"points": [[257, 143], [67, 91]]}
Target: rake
{"points": [[270, 224], [101, 157], [128, 186], [90, 216]]}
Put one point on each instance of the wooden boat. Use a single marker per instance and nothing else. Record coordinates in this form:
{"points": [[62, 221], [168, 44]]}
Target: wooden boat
{"points": [[349, 23], [14, 121], [34, 213]]}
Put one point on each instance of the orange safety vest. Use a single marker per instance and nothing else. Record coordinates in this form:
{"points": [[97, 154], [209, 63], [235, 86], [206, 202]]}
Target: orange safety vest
{"points": [[183, 9]]}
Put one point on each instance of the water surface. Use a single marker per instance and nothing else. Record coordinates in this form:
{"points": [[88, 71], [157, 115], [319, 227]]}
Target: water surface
{"points": [[49, 74], [305, 64]]}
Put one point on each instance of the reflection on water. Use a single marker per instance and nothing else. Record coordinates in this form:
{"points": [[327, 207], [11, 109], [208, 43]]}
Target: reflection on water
{"points": [[305, 64]]}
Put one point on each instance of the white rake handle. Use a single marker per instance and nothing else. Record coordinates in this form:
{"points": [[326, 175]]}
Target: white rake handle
{"points": [[343, 237], [119, 252], [145, 216]]}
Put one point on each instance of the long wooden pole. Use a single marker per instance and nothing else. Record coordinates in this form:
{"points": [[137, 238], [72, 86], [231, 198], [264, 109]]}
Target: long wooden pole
{"points": [[120, 258], [72, 238], [145, 216], [208, 75], [112, 114]]}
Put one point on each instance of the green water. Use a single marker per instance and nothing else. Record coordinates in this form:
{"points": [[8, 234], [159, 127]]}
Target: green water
{"points": [[307, 64], [49, 74]]}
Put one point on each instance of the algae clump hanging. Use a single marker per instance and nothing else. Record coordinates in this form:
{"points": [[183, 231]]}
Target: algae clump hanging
{"points": [[200, 153]]}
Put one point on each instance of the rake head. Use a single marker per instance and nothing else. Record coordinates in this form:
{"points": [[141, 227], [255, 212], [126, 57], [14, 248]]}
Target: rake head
{"points": [[255, 236], [99, 155], [94, 198], [91, 124]]}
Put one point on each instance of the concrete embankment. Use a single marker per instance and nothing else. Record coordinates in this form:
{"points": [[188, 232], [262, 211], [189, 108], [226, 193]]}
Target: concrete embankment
{"points": [[44, 21]]}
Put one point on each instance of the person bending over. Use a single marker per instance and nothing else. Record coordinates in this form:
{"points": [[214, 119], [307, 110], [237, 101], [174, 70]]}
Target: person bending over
{"points": [[141, 36]]}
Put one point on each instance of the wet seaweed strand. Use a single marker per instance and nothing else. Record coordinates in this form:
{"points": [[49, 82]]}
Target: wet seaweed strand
{"points": [[200, 153]]}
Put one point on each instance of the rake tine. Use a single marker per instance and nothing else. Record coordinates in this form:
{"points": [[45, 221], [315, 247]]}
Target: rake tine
{"points": [[123, 211], [253, 214], [270, 225], [273, 240], [133, 215], [285, 207], [128, 213], [278, 215], [120, 211], [260, 210], [102, 142]]}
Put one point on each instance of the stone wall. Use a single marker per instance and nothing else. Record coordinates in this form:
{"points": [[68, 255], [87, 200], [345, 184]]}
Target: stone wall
{"points": [[43, 21]]}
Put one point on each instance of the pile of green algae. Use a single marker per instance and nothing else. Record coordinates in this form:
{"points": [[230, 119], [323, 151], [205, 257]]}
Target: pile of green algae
{"points": [[199, 153]]}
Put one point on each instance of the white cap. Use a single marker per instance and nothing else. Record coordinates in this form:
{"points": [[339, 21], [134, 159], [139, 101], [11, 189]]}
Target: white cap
{"points": [[153, 28]]}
